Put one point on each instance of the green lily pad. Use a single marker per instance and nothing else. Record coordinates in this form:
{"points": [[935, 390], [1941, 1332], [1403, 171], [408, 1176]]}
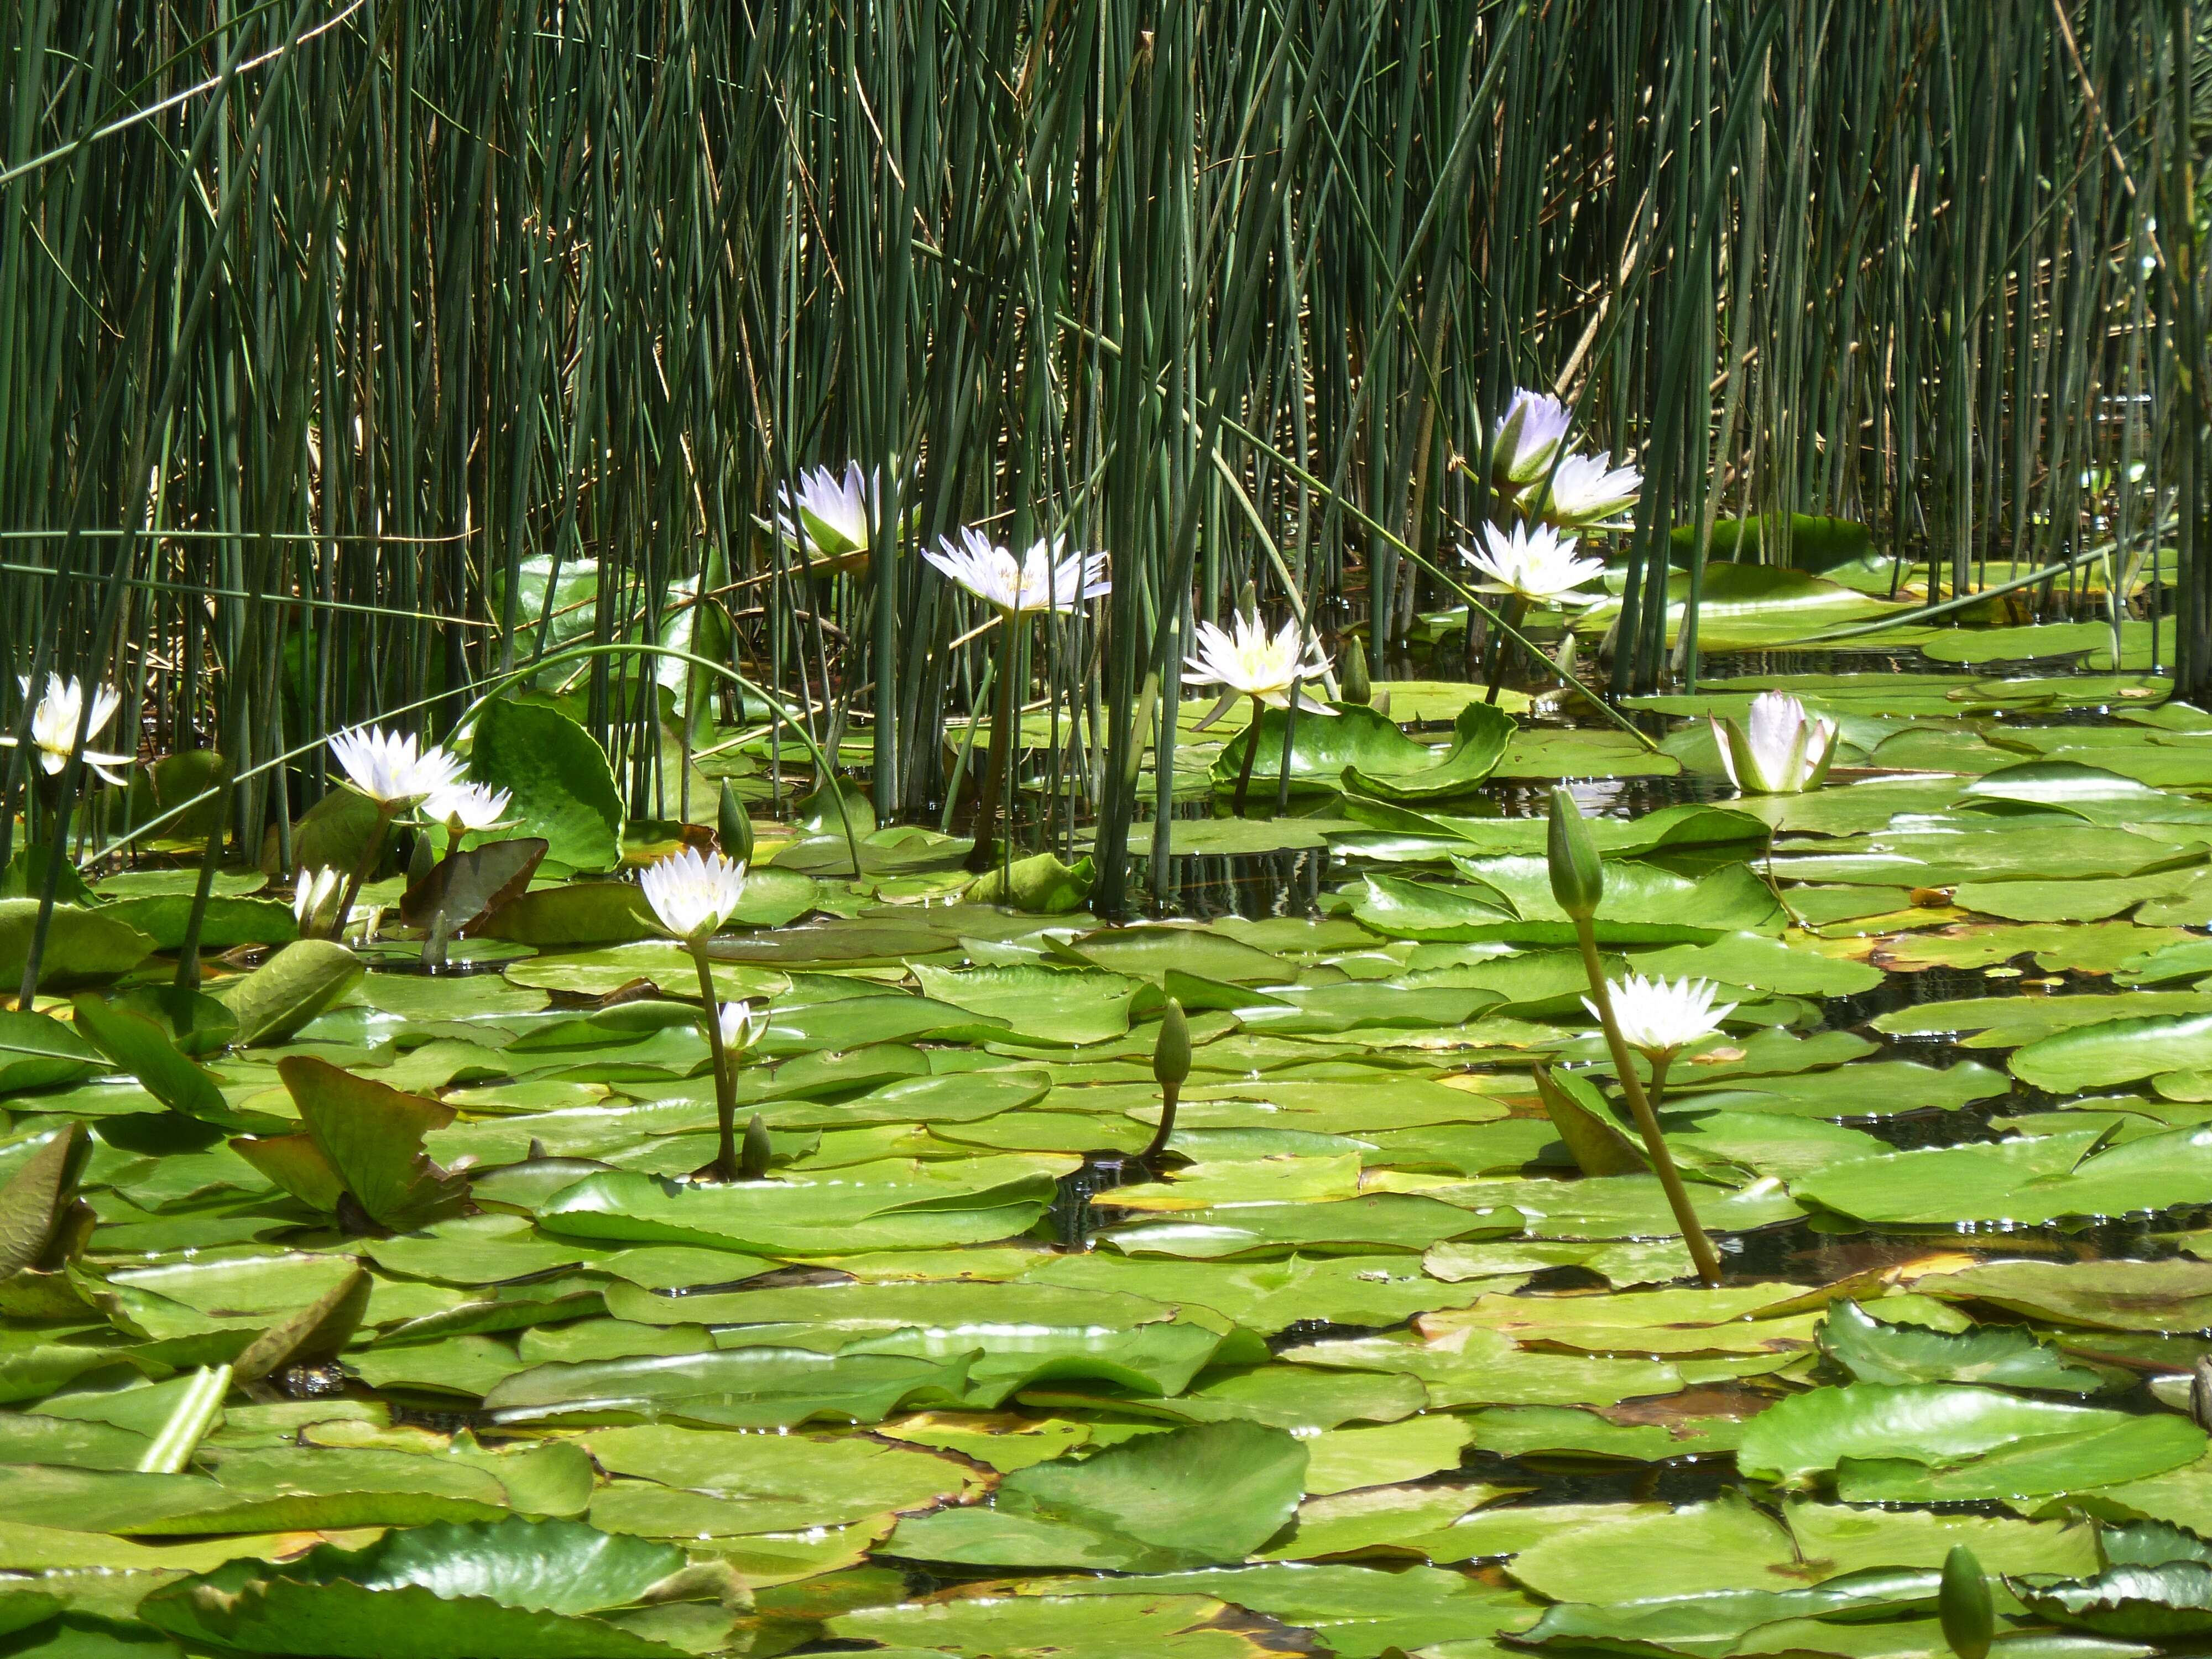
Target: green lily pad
{"points": [[227, 922], [564, 791], [2027, 1180], [762, 1386], [1642, 904], [2005, 1355], [304, 980], [515, 1587], [1927, 1440], [886, 1207], [1042, 1004], [1159, 1626], [1196, 1498], [83, 946], [2173, 1295]]}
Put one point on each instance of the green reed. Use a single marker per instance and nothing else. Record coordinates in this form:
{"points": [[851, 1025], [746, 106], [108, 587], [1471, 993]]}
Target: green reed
{"points": [[353, 352]]}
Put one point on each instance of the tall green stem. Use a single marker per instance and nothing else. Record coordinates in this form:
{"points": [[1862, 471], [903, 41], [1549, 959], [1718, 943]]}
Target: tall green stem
{"points": [[725, 1078], [988, 787], [1647, 1121]]}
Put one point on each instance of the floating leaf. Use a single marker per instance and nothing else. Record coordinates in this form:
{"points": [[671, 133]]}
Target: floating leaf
{"points": [[1161, 1503], [513, 1587], [1930, 1441], [1041, 884], [37, 1052], [143, 1048], [82, 945], [227, 922], [2138, 1602], [367, 1138], [564, 791], [2005, 1354], [1324, 749], [305, 978], [2027, 1180], [34, 1197], [581, 913], [749, 1388]]}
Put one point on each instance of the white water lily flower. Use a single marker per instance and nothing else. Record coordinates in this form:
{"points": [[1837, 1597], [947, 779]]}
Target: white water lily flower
{"points": [[1046, 578], [314, 893], [1528, 434], [54, 722], [1538, 565], [741, 1025], [693, 896], [1779, 750], [831, 515], [1246, 662], [1657, 1017], [463, 807], [1588, 492], [384, 765]]}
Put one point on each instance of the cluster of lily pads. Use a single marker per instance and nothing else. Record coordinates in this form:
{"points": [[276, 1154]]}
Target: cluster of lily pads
{"points": [[636, 1239]]}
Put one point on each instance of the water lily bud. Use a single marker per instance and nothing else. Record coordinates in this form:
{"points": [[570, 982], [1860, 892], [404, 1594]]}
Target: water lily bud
{"points": [[1354, 682], [1964, 1606], [419, 859], [1577, 873], [1171, 1056], [733, 826], [752, 1158]]}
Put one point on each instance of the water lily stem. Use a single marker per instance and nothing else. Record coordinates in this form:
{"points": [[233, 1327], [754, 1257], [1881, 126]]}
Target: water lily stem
{"points": [[1251, 754], [988, 787], [1516, 609], [1657, 1091], [1647, 1120], [1171, 1093], [385, 811], [725, 1078]]}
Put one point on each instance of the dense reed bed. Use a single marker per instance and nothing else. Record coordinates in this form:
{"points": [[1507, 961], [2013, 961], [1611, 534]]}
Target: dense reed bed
{"points": [[356, 354]]}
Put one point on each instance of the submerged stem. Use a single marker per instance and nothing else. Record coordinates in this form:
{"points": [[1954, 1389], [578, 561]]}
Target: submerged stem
{"points": [[1647, 1121], [725, 1081]]}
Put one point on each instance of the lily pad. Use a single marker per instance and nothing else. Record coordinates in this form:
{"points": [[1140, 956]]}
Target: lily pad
{"points": [[1165, 1503], [563, 790], [528, 1589]]}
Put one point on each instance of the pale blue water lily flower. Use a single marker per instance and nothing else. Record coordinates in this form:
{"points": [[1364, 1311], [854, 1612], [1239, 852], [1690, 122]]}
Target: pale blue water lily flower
{"points": [[741, 1025], [831, 515], [1588, 492], [54, 723], [1658, 1018], [1537, 564], [1777, 749], [1525, 438], [691, 896], [1246, 661], [385, 767], [463, 807], [1046, 578]]}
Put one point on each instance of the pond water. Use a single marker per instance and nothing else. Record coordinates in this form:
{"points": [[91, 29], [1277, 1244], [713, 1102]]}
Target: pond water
{"points": [[1365, 1362]]}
